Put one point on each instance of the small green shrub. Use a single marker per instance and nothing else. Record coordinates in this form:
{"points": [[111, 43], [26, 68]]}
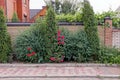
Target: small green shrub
{"points": [[109, 55], [32, 38], [77, 47]]}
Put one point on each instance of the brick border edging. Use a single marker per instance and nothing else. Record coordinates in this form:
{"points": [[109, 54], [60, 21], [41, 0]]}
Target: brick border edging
{"points": [[60, 65], [97, 76]]}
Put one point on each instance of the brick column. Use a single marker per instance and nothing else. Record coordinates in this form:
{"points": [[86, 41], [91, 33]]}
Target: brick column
{"points": [[108, 32]]}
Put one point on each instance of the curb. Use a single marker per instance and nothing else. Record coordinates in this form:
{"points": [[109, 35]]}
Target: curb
{"points": [[60, 65], [97, 76]]}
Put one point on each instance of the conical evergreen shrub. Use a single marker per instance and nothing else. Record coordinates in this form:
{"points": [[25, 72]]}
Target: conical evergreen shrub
{"points": [[5, 42], [91, 29], [53, 49], [15, 17]]}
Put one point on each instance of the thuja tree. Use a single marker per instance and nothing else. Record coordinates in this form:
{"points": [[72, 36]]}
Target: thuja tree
{"points": [[5, 43], [91, 29], [54, 51], [15, 17]]}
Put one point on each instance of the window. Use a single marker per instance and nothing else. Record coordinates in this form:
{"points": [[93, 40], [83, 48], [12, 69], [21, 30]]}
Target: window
{"points": [[25, 18]]}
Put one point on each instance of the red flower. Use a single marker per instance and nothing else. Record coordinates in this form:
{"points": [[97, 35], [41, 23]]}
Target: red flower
{"points": [[29, 48], [33, 53], [58, 38], [59, 32], [62, 43], [52, 59], [62, 37], [59, 43], [29, 55]]}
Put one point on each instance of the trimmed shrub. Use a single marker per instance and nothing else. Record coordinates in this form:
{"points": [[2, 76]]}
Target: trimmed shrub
{"points": [[91, 29], [5, 41], [32, 41], [77, 47], [54, 50]]}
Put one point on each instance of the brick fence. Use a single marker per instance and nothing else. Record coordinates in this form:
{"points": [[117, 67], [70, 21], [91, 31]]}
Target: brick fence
{"points": [[112, 35], [108, 35]]}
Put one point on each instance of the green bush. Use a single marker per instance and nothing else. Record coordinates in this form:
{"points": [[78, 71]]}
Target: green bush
{"points": [[5, 41], [109, 55], [39, 43], [77, 47], [69, 17], [32, 38], [116, 22]]}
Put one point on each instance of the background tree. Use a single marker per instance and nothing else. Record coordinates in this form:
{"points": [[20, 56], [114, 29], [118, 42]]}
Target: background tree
{"points": [[57, 7], [5, 42], [15, 17], [90, 28], [65, 6]]}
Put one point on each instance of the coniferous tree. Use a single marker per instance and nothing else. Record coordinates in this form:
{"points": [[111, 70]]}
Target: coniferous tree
{"points": [[15, 17], [54, 51], [5, 42], [51, 32], [91, 28]]}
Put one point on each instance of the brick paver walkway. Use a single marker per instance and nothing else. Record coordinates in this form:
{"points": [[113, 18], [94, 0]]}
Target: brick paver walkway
{"points": [[61, 71]]}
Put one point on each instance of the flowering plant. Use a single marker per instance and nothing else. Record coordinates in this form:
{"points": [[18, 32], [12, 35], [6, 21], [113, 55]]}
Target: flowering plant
{"points": [[58, 56], [60, 38], [31, 52]]}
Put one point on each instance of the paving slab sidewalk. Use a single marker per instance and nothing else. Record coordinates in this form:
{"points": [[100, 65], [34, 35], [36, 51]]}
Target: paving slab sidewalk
{"points": [[66, 71]]}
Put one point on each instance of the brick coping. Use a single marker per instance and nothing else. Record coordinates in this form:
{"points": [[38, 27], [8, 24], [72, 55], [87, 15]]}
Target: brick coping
{"points": [[59, 65]]}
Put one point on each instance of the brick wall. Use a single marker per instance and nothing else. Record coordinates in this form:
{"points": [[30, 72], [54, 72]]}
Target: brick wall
{"points": [[11, 8], [112, 35], [108, 32], [16, 30], [23, 10], [2, 5]]}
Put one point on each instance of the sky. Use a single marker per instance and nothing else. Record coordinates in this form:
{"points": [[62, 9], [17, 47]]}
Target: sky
{"points": [[98, 5]]}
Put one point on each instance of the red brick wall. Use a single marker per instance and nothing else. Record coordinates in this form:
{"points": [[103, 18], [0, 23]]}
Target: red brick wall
{"points": [[2, 5], [23, 10], [19, 9], [108, 33], [11, 8], [16, 30]]}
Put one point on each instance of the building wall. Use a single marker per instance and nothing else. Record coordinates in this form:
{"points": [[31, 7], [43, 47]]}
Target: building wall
{"points": [[11, 8], [19, 9], [19, 6], [23, 10], [41, 14], [2, 5]]}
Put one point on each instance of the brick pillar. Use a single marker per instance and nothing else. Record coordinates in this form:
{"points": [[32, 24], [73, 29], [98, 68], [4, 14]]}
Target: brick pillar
{"points": [[108, 32]]}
